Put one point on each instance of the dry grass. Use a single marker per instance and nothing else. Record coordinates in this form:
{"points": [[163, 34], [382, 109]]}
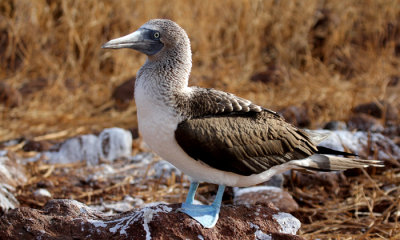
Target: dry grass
{"points": [[330, 56]]}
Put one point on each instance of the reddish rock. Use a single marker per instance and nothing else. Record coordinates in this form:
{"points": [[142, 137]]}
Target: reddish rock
{"points": [[364, 122], [36, 146], [328, 180], [377, 110], [9, 96], [366, 145], [266, 194], [123, 94], [69, 219], [297, 116], [335, 125]]}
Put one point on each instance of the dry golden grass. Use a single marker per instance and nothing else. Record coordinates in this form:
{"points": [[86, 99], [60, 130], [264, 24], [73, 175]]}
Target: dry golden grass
{"points": [[331, 56]]}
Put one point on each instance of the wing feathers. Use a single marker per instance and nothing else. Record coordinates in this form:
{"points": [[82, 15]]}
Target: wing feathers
{"points": [[245, 144]]}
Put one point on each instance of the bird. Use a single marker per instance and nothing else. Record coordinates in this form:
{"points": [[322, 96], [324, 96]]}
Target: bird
{"points": [[211, 135]]}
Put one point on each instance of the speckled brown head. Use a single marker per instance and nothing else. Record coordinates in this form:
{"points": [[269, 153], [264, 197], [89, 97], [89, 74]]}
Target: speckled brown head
{"points": [[153, 38]]}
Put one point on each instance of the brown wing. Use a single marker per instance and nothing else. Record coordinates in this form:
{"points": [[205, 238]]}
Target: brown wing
{"points": [[207, 101], [243, 143]]}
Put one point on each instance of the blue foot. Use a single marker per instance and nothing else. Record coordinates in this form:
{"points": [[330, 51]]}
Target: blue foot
{"points": [[204, 214]]}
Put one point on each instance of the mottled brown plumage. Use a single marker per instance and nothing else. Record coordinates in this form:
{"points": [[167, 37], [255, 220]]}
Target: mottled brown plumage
{"points": [[243, 142]]}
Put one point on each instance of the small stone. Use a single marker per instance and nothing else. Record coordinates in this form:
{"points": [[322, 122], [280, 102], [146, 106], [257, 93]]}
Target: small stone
{"points": [[123, 94], [42, 194], [328, 180], [364, 122], [36, 146], [297, 116], [335, 125], [376, 109]]}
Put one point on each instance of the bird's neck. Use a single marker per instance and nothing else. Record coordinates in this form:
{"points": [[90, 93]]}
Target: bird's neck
{"points": [[168, 72]]}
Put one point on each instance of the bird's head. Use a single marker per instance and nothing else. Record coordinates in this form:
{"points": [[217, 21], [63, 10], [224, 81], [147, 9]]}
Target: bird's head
{"points": [[152, 38]]}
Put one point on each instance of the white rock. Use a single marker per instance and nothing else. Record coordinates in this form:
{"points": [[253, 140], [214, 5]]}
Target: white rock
{"points": [[42, 194], [288, 223], [357, 142], [115, 143], [111, 144]]}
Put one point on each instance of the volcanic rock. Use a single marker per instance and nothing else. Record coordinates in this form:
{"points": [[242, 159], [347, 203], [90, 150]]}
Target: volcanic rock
{"points": [[378, 110], [69, 219], [37, 146], [364, 144], [297, 116], [364, 122], [123, 94], [266, 194]]}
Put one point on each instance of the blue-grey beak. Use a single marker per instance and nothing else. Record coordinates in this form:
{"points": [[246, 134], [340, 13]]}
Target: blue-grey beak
{"points": [[143, 40]]}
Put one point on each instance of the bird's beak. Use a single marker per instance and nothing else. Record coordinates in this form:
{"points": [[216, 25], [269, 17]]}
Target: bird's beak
{"points": [[139, 40], [128, 41]]}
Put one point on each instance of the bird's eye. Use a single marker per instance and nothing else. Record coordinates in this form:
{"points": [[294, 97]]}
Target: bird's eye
{"points": [[156, 35]]}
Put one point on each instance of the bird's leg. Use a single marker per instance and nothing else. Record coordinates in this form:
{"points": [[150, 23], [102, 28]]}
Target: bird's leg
{"points": [[206, 215], [192, 192], [218, 197]]}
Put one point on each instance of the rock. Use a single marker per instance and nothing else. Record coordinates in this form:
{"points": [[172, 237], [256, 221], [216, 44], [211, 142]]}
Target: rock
{"points": [[266, 194], [297, 116], [335, 125], [123, 94], [115, 143], [42, 194], [69, 219], [364, 144], [111, 144], [9, 96], [328, 180], [364, 122], [377, 110], [36, 146], [275, 181]]}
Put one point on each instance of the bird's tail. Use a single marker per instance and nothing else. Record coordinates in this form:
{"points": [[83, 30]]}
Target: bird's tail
{"points": [[322, 162]]}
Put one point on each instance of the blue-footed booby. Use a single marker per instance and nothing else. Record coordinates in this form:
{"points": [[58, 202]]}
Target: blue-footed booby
{"points": [[211, 135]]}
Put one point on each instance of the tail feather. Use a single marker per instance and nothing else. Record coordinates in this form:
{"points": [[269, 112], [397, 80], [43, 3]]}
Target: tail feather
{"points": [[333, 163], [325, 150]]}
